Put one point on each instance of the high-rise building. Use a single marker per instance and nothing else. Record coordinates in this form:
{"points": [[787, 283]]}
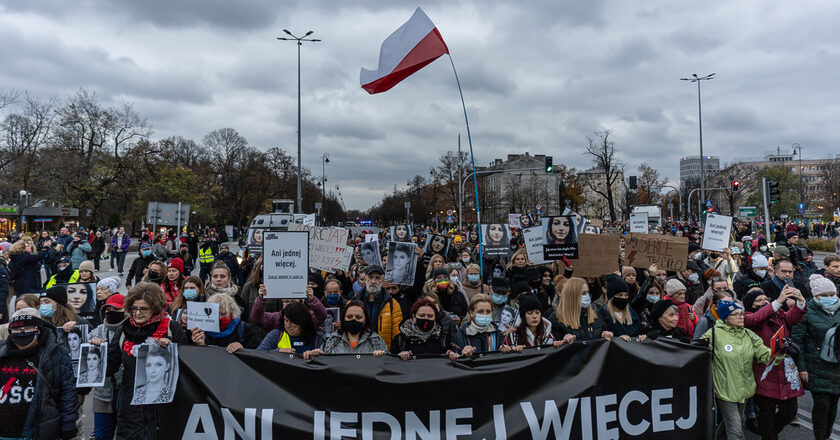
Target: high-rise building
{"points": [[690, 166]]}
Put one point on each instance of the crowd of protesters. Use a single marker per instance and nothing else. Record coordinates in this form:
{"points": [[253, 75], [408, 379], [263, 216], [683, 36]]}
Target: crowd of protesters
{"points": [[734, 301]]}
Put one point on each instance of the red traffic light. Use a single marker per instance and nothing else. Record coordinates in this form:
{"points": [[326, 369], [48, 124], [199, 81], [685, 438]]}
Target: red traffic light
{"points": [[736, 185]]}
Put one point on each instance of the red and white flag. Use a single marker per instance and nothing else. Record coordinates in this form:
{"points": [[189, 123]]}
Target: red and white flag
{"points": [[410, 48]]}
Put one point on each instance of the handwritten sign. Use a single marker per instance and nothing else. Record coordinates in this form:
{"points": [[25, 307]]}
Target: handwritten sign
{"points": [[534, 244], [203, 315], [639, 223], [285, 271], [597, 255], [326, 246], [669, 253], [513, 220], [716, 232]]}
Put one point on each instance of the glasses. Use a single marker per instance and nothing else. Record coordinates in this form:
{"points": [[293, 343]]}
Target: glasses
{"points": [[139, 309], [737, 314]]}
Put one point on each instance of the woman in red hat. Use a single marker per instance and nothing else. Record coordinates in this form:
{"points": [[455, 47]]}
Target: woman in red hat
{"points": [[174, 282]]}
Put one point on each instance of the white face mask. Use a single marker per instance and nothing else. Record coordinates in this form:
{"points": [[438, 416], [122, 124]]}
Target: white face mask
{"points": [[761, 273], [585, 300], [762, 248], [697, 256], [694, 278]]}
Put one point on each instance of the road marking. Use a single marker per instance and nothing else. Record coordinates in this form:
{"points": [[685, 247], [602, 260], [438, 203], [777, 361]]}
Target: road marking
{"points": [[803, 414]]}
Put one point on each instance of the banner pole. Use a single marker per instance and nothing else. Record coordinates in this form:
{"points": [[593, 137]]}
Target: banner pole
{"points": [[475, 180]]}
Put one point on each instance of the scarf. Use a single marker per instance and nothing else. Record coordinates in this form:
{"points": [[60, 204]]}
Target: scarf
{"points": [[412, 332], [224, 333], [135, 333], [473, 329], [230, 291]]}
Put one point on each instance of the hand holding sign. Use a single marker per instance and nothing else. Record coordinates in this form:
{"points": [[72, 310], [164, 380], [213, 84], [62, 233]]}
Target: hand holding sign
{"points": [[204, 316]]}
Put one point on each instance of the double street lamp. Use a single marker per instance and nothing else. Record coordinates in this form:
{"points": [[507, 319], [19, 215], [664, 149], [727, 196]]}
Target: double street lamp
{"points": [[696, 79], [300, 41]]}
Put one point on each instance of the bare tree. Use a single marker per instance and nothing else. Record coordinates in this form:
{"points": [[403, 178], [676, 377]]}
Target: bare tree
{"points": [[831, 183], [649, 185], [746, 175], [8, 97], [602, 151]]}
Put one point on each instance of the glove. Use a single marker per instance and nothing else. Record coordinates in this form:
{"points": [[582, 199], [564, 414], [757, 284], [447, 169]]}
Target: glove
{"points": [[566, 261], [68, 435]]}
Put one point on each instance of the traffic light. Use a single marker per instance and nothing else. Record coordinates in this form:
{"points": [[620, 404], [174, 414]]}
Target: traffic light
{"points": [[549, 164], [736, 185], [773, 191], [632, 183]]}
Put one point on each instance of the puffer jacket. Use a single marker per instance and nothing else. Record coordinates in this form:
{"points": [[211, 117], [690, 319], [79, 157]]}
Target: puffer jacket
{"points": [[27, 269], [765, 323], [823, 377], [78, 252], [453, 300], [369, 342], [734, 352], [386, 315], [54, 408]]}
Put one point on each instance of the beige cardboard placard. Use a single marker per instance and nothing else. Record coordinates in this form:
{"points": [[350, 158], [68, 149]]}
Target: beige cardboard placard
{"points": [[667, 252], [597, 255]]}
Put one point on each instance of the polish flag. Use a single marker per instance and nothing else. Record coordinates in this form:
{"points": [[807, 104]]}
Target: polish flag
{"points": [[410, 48]]}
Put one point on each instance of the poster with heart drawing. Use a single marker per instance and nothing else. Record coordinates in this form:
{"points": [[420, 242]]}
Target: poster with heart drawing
{"points": [[203, 315]]}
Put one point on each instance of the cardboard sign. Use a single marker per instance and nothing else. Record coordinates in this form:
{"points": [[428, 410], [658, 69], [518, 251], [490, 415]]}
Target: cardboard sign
{"points": [[597, 255], [203, 315], [347, 259], [716, 232], [669, 253], [639, 223], [309, 220], [513, 220], [534, 244], [286, 268], [326, 246]]}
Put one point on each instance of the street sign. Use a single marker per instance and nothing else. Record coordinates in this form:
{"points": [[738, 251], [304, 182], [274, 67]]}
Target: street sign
{"points": [[450, 219], [746, 211], [168, 214], [539, 207], [801, 206], [709, 204], [801, 210]]}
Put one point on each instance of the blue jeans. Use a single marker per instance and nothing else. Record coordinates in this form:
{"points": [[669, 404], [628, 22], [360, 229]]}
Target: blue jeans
{"points": [[104, 426], [113, 259]]}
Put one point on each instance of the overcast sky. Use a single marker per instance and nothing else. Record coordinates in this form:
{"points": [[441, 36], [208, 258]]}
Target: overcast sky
{"points": [[537, 77]]}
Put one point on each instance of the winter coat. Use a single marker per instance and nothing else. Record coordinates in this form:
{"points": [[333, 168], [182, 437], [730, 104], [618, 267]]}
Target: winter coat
{"points": [[734, 352], [453, 300], [409, 339], [585, 330], [54, 407], [687, 318], [230, 261], [27, 269], [98, 246], [137, 421], [121, 244], [485, 342], [385, 315], [243, 334], [272, 320], [705, 322], [617, 328], [765, 323], [369, 342], [772, 288], [272, 339], [744, 279], [548, 337], [135, 272], [808, 334]]}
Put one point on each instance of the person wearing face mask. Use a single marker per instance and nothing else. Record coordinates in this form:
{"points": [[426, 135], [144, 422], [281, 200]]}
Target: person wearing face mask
{"points": [[155, 273], [234, 334], [709, 318], [776, 394], [735, 349], [576, 315], [723, 263], [820, 377], [696, 254], [703, 303], [332, 294], [663, 322], [267, 321], [784, 274], [762, 248], [65, 274], [643, 303], [479, 334], [693, 280], [620, 319], [676, 292], [139, 265], [104, 416], [500, 291], [298, 335], [193, 290], [451, 299], [36, 361], [756, 273], [422, 333], [355, 335], [472, 284], [55, 309]]}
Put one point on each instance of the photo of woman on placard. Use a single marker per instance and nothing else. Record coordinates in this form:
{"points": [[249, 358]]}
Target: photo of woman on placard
{"points": [[560, 230], [401, 233], [256, 236], [369, 252], [437, 244], [525, 221], [507, 318], [92, 365], [402, 261], [473, 235], [155, 381], [496, 235], [81, 297]]}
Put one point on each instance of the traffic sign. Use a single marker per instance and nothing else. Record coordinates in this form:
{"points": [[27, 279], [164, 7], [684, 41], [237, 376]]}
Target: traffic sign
{"points": [[450, 219], [539, 207], [746, 211], [801, 206], [709, 203], [801, 211]]}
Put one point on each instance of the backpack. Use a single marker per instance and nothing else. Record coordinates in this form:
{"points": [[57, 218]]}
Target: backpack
{"points": [[830, 345]]}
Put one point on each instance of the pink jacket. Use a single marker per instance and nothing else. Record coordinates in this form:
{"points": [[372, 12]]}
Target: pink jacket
{"points": [[765, 323], [272, 320]]}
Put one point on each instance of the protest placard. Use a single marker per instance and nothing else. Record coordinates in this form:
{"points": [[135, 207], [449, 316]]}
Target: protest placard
{"points": [[371, 237], [597, 255], [346, 259], [716, 233], [513, 220], [667, 252], [309, 220], [204, 315], [326, 246], [639, 222], [534, 244], [560, 237], [286, 271]]}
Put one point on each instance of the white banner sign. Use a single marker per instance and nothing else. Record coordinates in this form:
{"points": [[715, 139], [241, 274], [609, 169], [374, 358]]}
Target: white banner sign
{"points": [[309, 220], [639, 223], [371, 237], [534, 244], [716, 232], [285, 267], [326, 246], [203, 315], [513, 220]]}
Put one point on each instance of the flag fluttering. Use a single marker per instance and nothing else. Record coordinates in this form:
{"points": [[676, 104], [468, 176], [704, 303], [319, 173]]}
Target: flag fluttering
{"points": [[410, 48]]}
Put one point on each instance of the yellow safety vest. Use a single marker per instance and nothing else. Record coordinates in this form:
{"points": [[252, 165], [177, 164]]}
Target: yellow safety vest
{"points": [[285, 342], [206, 255], [73, 279]]}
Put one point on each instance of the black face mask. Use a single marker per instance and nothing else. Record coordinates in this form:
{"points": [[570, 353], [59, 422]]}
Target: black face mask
{"points": [[353, 327], [114, 317], [714, 255], [620, 303], [155, 277], [23, 339], [424, 325]]}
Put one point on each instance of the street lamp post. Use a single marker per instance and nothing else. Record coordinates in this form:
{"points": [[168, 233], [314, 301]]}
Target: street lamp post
{"points": [[697, 79], [325, 159], [796, 146], [300, 41], [434, 194]]}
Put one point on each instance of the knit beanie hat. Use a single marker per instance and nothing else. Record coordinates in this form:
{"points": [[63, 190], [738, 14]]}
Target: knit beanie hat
{"points": [[759, 260], [532, 274], [528, 302], [615, 286], [110, 283], [659, 308], [725, 308], [749, 298], [87, 265], [520, 287], [673, 286], [24, 320], [791, 234], [440, 271], [57, 294], [176, 263], [820, 284]]}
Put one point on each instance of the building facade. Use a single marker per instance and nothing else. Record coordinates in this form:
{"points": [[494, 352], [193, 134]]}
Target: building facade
{"points": [[690, 166], [596, 206], [519, 184]]}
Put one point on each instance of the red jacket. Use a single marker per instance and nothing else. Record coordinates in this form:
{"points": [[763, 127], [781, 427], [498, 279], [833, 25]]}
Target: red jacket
{"points": [[765, 323], [687, 318]]}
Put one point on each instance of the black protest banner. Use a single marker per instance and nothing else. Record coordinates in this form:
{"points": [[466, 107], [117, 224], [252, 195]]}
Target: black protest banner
{"points": [[654, 390]]}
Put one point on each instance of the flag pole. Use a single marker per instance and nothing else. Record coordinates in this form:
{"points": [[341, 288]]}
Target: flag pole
{"points": [[475, 181]]}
